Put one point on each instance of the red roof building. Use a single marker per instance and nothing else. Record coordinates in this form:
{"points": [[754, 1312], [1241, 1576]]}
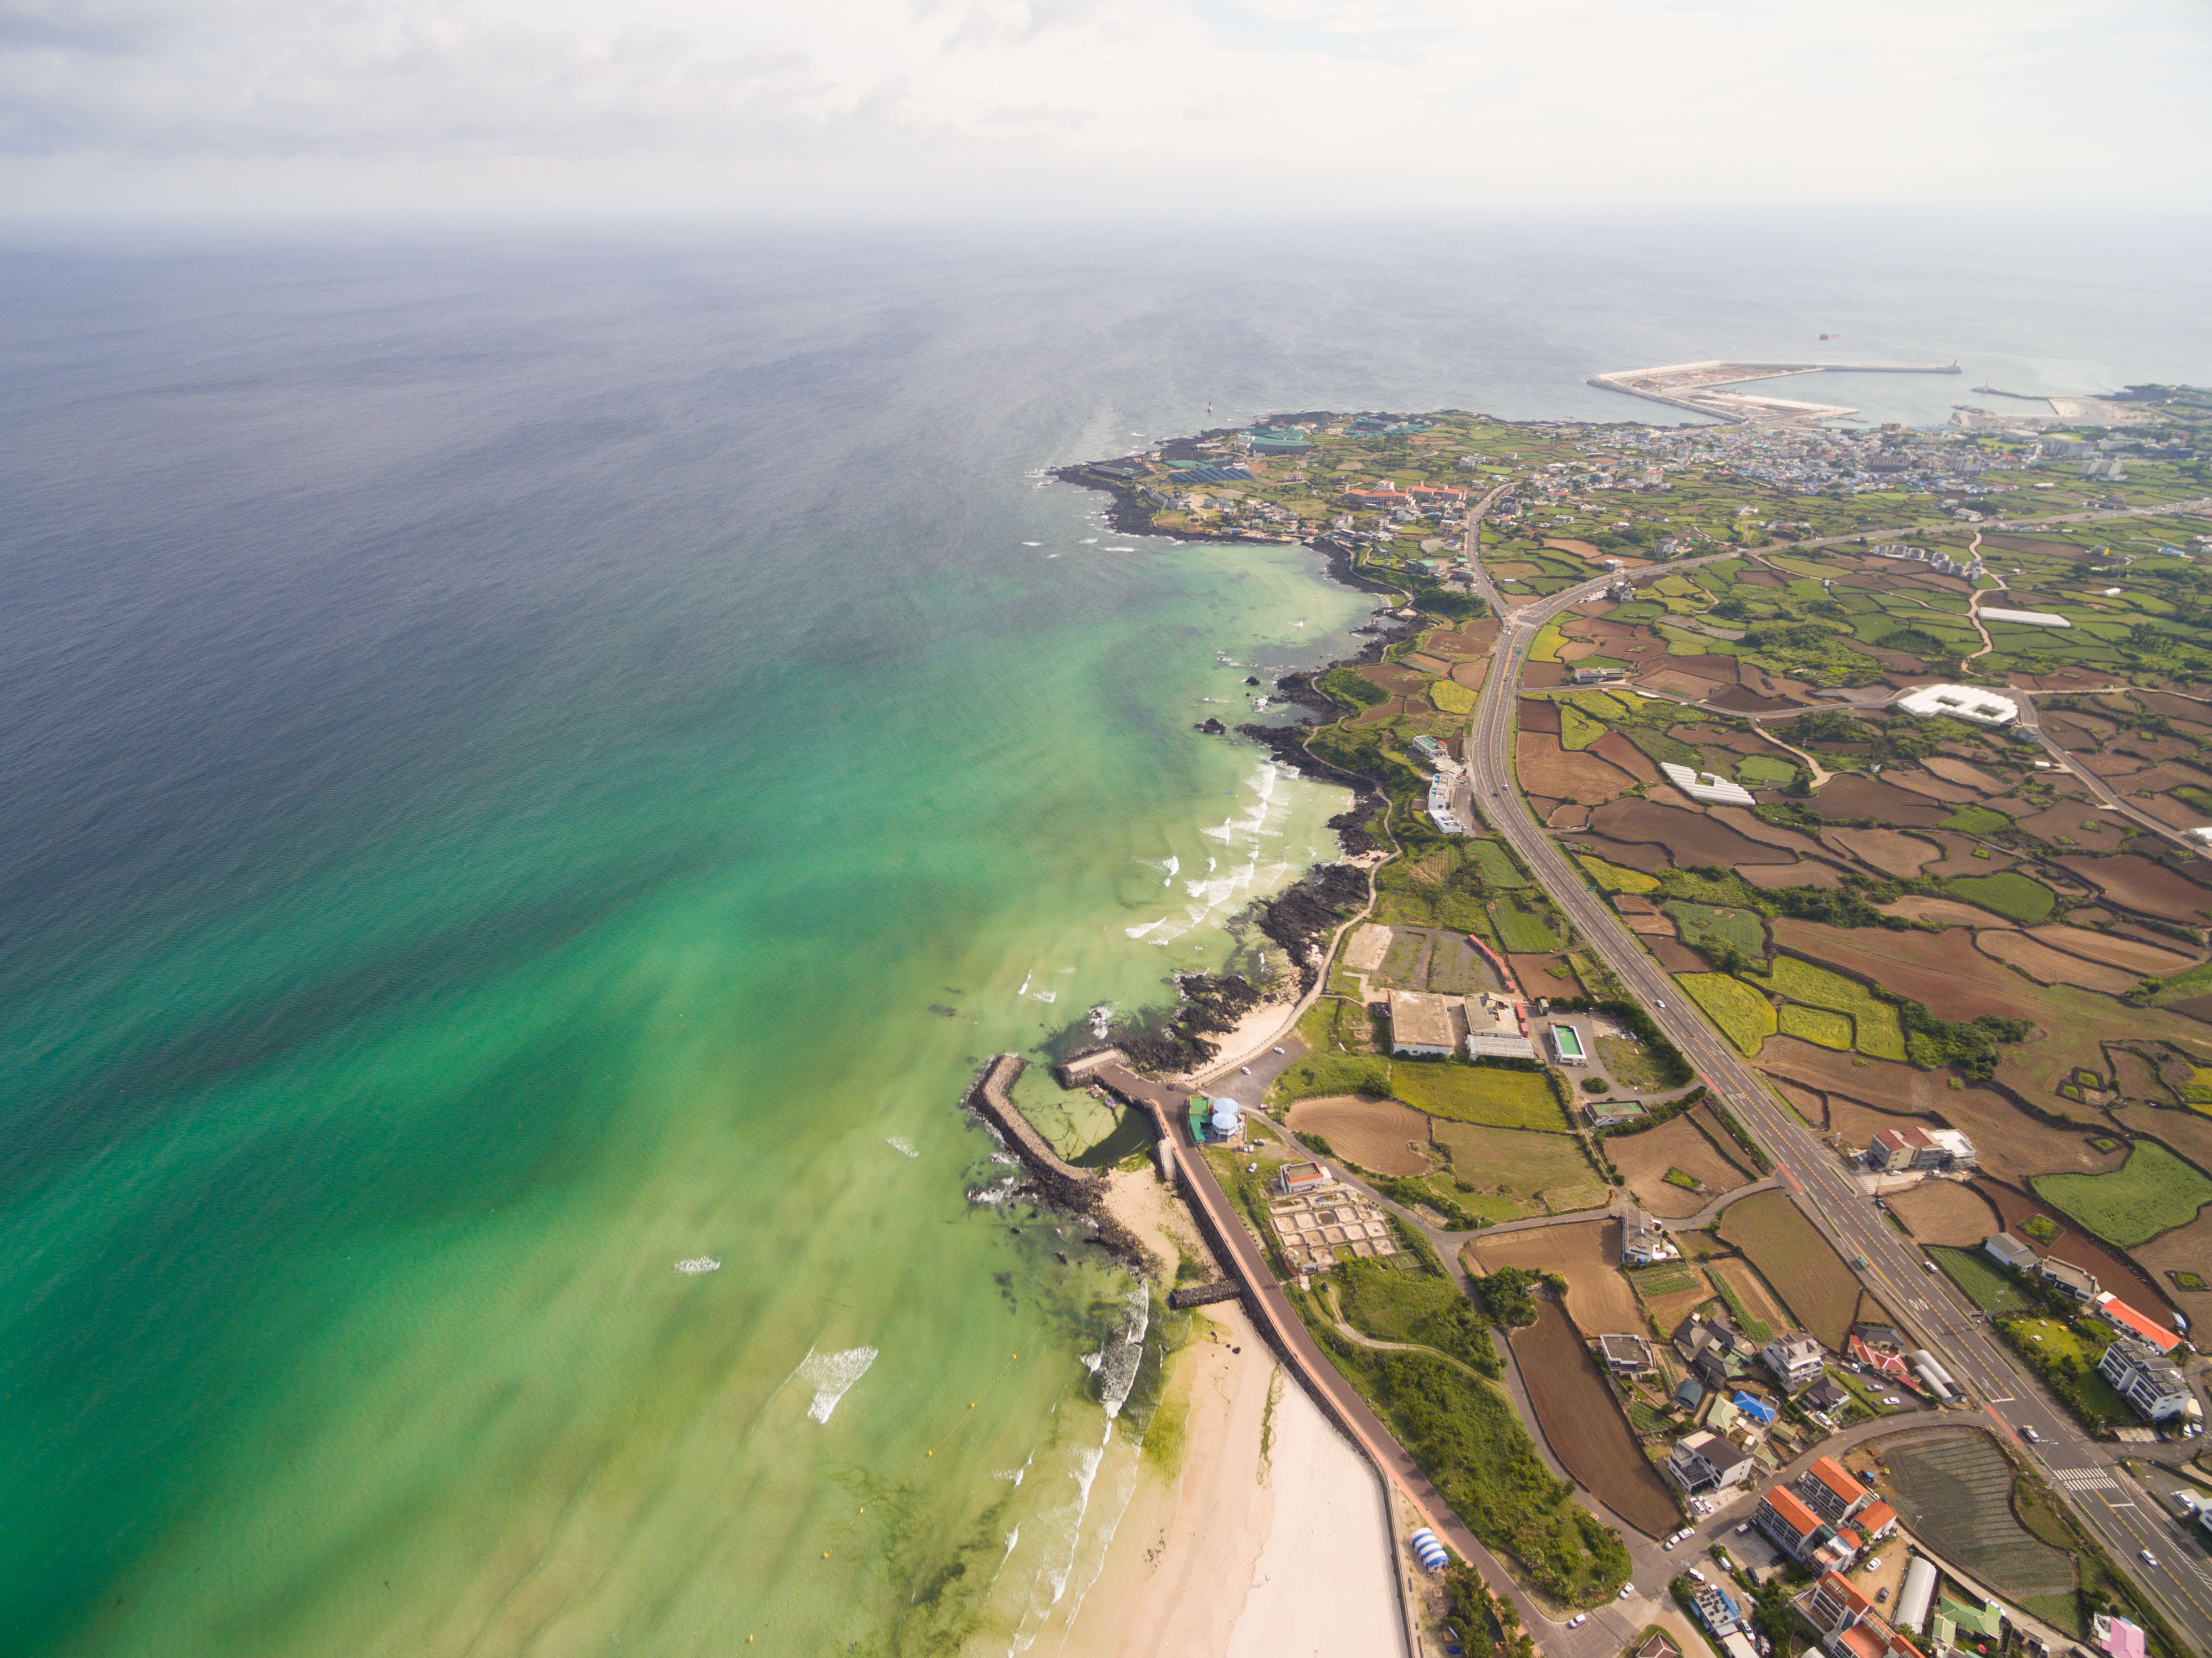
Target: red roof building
{"points": [[1876, 1520], [2115, 1311]]}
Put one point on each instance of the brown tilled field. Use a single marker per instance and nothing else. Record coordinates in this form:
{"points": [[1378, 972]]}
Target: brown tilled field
{"points": [[1546, 769], [1791, 1255], [1617, 749], [1691, 837], [1643, 1160], [1946, 912], [1855, 796], [2047, 966], [1942, 969], [2184, 1249], [1757, 1300], [1537, 713], [1668, 1312], [1545, 975], [2117, 1274], [2147, 888], [1807, 873], [1944, 1211], [1377, 1134], [1960, 771], [1889, 851], [1583, 1423], [1587, 1255], [1929, 787]]}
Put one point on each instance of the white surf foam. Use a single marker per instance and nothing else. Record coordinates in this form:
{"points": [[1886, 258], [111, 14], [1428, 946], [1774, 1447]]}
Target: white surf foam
{"points": [[832, 1375], [903, 1146], [695, 1265]]}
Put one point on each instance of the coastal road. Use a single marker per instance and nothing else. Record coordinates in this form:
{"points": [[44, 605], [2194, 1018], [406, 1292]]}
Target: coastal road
{"points": [[1899, 1275]]}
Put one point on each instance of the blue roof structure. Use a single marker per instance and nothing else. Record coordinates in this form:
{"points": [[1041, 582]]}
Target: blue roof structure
{"points": [[1213, 475], [1753, 1408]]}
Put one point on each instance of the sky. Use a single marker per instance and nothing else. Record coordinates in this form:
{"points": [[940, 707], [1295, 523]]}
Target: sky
{"points": [[1177, 108]]}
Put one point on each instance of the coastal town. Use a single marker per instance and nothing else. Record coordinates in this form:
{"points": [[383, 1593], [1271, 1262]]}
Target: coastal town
{"points": [[1764, 1084]]}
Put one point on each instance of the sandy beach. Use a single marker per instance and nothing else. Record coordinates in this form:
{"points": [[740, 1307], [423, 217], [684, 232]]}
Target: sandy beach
{"points": [[1264, 1534]]}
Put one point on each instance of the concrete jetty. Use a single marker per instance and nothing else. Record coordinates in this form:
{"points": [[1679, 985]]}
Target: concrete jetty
{"points": [[991, 1097], [1699, 387]]}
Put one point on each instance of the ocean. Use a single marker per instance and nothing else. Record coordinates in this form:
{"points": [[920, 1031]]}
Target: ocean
{"points": [[536, 758]]}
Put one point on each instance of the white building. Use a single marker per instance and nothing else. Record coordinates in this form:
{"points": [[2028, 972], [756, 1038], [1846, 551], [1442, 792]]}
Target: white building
{"points": [[1967, 703], [1421, 1025], [2156, 1390], [1706, 785], [1795, 1360], [1705, 1462]]}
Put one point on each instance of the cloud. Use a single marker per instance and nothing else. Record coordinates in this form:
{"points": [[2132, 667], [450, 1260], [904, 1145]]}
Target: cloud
{"points": [[1393, 102]]}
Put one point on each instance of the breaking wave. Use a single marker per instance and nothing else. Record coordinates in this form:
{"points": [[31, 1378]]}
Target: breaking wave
{"points": [[832, 1375]]}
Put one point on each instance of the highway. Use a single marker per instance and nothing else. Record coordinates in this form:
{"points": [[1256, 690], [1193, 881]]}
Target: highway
{"points": [[2121, 1516]]}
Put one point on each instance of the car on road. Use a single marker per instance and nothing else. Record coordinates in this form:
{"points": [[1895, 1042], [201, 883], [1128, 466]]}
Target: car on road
{"points": [[1695, 1573], [2149, 1558], [1882, 1596], [1578, 1621], [1247, 1070], [1744, 1527], [1628, 1589], [1930, 1265], [2030, 1434], [1278, 1050], [1893, 1402], [1875, 1564]]}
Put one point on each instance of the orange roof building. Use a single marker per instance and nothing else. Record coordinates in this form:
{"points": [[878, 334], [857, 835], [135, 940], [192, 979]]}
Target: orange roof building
{"points": [[1831, 1493]]}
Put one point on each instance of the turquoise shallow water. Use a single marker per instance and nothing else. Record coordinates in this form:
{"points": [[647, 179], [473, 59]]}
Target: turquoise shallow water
{"points": [[509, 748]]}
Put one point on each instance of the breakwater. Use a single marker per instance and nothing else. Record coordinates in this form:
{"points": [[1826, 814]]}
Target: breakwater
{"points": [[1081, 1191]]}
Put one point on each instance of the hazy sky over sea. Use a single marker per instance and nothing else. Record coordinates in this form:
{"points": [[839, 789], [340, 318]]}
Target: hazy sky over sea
{"points": [[1042, 107]]}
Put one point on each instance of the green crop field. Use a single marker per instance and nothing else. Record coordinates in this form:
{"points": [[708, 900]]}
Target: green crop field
{"points": [[1522, 929], [1976, 820], [1479, 1093], [2012, 895], [2151, 1193], [1985, 1284], [1451, 696], [1701, 924], [1764, 770], [1497, 865], [1875, 1024], [1744, 1017], [1577, 731], [1821, 1026], [1614, 879]]}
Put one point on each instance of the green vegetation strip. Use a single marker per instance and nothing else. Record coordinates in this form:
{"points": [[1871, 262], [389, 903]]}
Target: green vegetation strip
{"points": [[1984, 1283]]}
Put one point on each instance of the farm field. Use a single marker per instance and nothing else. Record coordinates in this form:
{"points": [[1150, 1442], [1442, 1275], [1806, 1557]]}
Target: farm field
{"points": [[1644, 1159], [1479, 1094], [1748, 1299], [2178, 1256], [1535, 1174], [1586, 1253], [2016, 897], [1375, 1134], [1744, 1017], [1944, 1211], [1815, 1281], [1581, 1422], [1875, 1030], [1981, 1280], [2151, 1193], [1954, 1486]]}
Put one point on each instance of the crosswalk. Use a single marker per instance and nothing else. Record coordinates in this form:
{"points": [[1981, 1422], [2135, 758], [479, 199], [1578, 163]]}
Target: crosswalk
{"points": [[2085, 1479]]}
